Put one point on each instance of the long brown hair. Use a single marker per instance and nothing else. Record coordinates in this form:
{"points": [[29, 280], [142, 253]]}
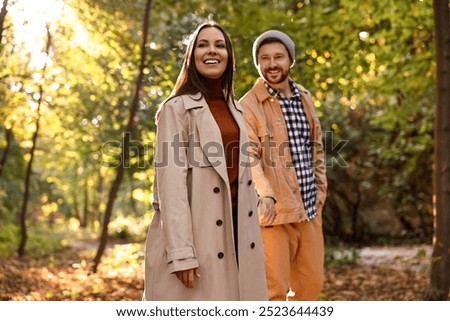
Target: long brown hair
{"points": [[190, 81]]}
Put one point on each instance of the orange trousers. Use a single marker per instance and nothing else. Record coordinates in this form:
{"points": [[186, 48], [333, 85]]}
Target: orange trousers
{"points": [[294, 260]]}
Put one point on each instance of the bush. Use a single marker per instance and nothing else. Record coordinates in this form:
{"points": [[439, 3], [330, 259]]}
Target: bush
{"points": [[39, 242], [9, 239]]}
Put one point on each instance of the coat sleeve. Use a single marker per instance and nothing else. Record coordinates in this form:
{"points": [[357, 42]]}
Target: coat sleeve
{"points": [[171, 168], [255, 150]]}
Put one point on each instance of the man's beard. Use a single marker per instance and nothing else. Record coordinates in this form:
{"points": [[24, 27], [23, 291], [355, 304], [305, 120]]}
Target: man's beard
{"points": [[278, 79]]}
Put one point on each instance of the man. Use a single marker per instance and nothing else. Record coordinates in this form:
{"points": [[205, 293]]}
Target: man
{"points": [[288, 170]]}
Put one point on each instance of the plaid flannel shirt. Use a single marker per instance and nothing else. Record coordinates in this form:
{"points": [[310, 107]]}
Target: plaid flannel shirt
{"points": [[300, 145]]}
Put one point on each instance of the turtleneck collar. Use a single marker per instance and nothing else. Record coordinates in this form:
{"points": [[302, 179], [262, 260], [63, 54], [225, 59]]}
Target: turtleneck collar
{"points": [[213, 87]]}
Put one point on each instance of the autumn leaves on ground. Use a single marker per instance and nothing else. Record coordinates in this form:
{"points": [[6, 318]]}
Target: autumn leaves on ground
{"points": [[390, 273]]}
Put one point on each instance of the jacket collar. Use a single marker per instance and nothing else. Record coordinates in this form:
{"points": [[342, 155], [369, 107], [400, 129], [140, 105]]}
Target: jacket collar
{"points": [[262, 93], [198, 101], [193, 101], [261, 90]]}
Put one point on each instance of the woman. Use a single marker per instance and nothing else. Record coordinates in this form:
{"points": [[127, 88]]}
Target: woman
{"points": [[204, 242]]}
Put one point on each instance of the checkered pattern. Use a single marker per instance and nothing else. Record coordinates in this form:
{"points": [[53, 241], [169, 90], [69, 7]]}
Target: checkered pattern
{"points": [[300, 145]]}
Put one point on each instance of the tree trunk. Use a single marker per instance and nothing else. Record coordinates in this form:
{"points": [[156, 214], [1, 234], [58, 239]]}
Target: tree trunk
{"points": [[26, 194], [8, 136], [440, 265], [98, 198], [126, 142], [74, 209], [84, 218], [3, 13]]}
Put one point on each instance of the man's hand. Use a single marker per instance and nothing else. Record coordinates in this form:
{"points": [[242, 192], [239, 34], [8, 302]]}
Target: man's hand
{"points": [[266, 211], [188, 276]]}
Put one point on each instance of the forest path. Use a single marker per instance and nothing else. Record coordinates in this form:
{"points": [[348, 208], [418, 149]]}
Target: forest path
{"points": [[380, 274], [388, 273], [406, 256]]}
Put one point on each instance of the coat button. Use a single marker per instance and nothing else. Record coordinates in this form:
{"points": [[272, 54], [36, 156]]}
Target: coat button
{"points": [[216, 190], [249, 182], [252, 245], [219, 222], [250, 214], [220, 255]]}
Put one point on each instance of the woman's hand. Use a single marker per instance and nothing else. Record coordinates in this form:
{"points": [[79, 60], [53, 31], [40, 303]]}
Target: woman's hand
{"points": [[188, 276]]}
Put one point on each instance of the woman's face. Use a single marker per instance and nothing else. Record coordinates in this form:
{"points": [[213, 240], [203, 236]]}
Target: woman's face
{"points": [[210, 53]]}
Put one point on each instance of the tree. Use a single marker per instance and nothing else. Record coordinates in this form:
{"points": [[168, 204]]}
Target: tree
{"points": [[125, 148], [3, 12], [8, 131], [440, 268], [26, 194]]}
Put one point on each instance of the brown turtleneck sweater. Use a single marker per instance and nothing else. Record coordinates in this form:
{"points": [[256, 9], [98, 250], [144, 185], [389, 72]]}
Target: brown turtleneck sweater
{"points": [[230, 139]]}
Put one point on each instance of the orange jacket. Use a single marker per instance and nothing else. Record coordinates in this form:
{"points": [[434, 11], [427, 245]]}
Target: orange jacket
{"points": [[271, 162]]}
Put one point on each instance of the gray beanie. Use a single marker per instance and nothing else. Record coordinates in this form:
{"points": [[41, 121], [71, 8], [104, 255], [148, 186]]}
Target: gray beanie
{"points": [[282, 37]]}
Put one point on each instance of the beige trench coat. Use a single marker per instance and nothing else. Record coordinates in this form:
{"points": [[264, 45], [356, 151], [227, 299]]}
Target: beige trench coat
{"points": [[192, 226]]}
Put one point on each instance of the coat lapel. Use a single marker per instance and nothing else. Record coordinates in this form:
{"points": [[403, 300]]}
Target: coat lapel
{"points": [[209, 133]]}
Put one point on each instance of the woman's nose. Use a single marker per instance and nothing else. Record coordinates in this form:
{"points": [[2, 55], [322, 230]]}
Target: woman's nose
{"points": [[212, 49]]}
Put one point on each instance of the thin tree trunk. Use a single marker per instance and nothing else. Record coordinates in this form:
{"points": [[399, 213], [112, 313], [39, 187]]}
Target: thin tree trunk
{"points": [[440, 264], [98, 197], [3, 13], [132, 199], [126, 142], [9, 135], [84, 218], [26, 194], [356, 230], [74, 209]]}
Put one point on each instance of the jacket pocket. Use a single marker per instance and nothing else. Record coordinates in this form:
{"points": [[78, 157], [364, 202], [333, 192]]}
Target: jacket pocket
{"points": [[267, 147]]}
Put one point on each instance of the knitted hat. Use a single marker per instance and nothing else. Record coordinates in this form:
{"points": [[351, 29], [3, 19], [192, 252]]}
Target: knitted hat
{"points": [[282, 37]]}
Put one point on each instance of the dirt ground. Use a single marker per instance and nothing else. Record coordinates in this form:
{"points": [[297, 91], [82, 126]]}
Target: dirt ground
{"points": [[390, 273], [381, 274]]}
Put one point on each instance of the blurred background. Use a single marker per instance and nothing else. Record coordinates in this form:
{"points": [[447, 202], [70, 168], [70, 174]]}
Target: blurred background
{"points": [[71, 98]]}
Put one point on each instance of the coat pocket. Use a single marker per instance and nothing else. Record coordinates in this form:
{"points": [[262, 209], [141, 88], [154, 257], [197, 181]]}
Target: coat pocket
{"points": [[196, 157]]}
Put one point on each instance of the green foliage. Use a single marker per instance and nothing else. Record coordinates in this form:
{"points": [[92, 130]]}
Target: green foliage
{"points": [[41, 241], [8, 239], [39, 244], [129, 228], [11, 190], [369, 66]]}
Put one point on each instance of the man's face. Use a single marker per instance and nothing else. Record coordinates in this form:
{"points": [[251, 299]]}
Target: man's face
{"points": [[274, 63]]}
